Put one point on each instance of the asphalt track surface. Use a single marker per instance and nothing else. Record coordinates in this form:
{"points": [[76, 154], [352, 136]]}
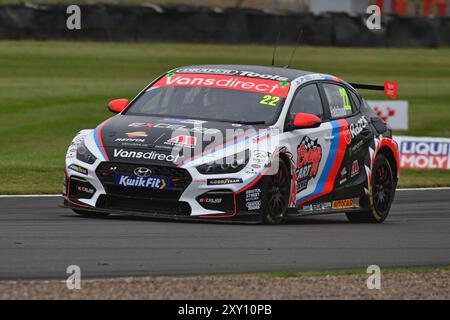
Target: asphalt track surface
{"points": [[39, 240]]}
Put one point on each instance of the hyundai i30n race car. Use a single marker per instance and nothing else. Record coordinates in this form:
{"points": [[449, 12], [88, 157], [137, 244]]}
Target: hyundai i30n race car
{"points": [[234, 142]]}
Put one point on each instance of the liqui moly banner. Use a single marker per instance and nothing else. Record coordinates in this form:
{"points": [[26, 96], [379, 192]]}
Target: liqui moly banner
{"points": [[395, 113], [423, 153]]}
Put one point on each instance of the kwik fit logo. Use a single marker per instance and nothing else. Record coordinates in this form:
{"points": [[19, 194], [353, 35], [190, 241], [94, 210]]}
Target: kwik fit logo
{"points": [[142, 182]]}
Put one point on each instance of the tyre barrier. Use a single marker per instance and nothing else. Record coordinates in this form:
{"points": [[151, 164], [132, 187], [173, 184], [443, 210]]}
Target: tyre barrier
{"points": [[183, 23]]}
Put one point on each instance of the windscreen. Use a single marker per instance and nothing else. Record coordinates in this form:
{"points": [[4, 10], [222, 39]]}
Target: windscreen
{"points": [[213, 97]]}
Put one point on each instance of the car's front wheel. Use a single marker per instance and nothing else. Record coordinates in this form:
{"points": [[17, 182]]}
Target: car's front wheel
{"points": [[381, 195], [275, 195], [90, 214]]}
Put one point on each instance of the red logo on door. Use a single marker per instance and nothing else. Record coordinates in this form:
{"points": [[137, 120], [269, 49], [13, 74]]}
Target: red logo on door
{"points": [[346, 134]]}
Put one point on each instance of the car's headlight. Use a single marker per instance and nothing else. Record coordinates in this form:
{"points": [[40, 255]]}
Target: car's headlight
{"points": [[83, 154], [230, 164]]}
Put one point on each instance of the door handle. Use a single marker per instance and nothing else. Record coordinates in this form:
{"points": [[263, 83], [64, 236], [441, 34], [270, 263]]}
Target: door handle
{"points": [[329, 138]]}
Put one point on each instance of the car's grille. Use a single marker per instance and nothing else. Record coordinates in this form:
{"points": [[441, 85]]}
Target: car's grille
{"points": [[142, 199]]}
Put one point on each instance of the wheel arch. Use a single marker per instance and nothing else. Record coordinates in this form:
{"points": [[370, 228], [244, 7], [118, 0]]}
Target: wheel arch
{"points": [[283, 157], [389, 154]]}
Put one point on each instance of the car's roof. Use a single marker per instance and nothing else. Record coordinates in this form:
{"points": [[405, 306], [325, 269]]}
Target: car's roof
{"points": [[291, 74]]}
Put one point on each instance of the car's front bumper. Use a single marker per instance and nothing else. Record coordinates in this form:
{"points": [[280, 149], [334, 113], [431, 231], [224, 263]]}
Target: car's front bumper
{"points": [[189, 197]]}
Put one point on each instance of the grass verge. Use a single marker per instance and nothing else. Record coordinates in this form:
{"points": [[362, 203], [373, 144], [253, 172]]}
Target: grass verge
{"points": [[51, 90]]}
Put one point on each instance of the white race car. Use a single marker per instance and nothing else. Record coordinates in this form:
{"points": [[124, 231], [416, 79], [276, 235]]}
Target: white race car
{"points": [[244, 143]]}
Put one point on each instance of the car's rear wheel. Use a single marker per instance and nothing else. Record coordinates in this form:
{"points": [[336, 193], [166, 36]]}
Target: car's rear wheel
{"points": [[381, 196], [275, 195], [90, 214]]}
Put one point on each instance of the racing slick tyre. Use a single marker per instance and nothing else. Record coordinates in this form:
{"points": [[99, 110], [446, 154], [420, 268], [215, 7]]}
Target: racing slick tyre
{"points": [[90, 214], [381, 195], [275, 195]]}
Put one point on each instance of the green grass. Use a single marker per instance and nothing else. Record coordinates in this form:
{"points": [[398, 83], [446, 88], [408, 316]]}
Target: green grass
{"points": [[51, 90], [289, 274]]}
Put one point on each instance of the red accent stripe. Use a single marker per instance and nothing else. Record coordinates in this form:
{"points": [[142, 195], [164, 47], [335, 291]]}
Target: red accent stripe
{"points": [[388, 142], [100, 141], [339, 157], [217, 217]]}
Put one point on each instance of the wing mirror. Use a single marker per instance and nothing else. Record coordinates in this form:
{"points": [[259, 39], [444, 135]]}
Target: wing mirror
{"points": [[117, 105], [306, 120]]}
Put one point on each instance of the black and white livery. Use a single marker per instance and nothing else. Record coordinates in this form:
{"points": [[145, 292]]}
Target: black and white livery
{"points": [[233, 142]]}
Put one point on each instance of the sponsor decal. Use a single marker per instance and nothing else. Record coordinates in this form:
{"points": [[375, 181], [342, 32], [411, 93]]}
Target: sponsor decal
{"points": [[343, 172], [326, 206], [258, 161], [356, 147], [337, 111], [253, 205], [232, 73], [142, 172], [211, 200], [78, 169], [241, 83], [347, 135], [252, 194], [85, 189], [129, 140], [320, 206], [141, 124], [137, 134], [182, 141], [174, 127], [423, 154], [343, 176], [342, 204], [355, 169], [71, 153], [186, 121], [357, 127], [214, 182], [77, 140], [309, 155], [149, 155], [260, 157], [142, 182]]}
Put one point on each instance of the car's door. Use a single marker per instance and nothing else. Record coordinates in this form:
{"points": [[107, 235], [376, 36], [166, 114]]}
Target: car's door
{"points": [[311, 147], [361, 135], [354, 133]]}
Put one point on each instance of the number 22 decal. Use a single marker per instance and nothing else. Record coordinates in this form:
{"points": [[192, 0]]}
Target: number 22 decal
{"points": [[270, 100]]}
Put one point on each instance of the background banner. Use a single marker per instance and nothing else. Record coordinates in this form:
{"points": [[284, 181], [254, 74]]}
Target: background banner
{"points": [[423, 152], [395, 113]]}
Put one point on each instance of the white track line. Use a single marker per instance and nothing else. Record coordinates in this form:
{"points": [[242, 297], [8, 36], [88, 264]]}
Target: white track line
{"points": [[424, 189], [58, 195], [29, 195]]}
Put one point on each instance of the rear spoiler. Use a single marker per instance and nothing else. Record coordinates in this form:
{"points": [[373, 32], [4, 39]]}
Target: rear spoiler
{"points": [[390, 88]]}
